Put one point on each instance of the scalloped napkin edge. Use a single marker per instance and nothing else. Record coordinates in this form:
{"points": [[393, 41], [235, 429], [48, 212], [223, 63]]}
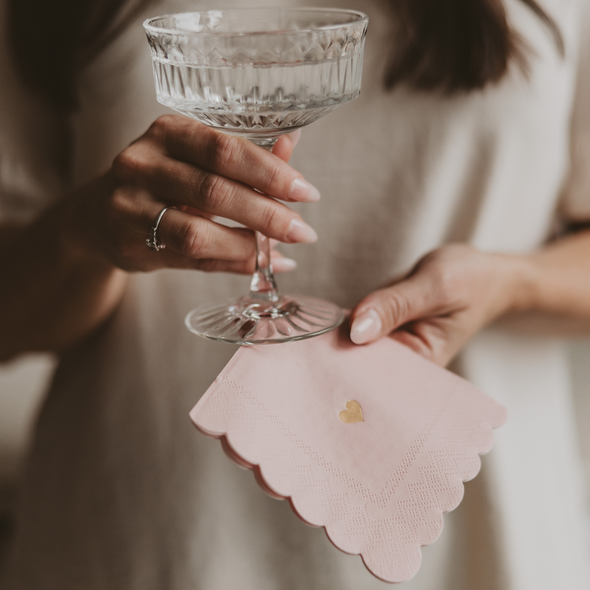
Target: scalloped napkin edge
{"points": [[372, 442]]}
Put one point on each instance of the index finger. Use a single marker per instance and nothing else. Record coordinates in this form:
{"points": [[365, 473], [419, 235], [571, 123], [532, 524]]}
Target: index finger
{"points": [[233, 157]]}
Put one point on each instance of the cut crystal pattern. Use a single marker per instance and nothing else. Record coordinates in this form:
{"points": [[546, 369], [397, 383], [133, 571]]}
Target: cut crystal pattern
{"points": [[245, 84]]}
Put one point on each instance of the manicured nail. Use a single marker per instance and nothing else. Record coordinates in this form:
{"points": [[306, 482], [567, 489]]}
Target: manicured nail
{"points": [[299, 231], [283, 264], [301, 190], [365, 327]]}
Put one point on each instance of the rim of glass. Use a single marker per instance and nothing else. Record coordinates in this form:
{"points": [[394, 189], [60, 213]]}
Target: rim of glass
{"points": [[148, 26]]}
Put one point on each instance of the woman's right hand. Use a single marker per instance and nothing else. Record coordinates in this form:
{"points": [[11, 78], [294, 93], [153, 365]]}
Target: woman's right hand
{"points": [[204, 173]]}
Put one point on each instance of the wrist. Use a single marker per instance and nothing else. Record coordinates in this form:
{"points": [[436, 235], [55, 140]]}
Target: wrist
{"points": [[521, 282]]}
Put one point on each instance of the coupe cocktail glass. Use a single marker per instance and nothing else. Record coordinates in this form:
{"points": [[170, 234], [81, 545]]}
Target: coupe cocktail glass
{"points": [[259, 73]]}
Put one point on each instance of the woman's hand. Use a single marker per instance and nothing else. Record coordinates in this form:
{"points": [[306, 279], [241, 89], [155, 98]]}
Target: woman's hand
{"points": [[64, 275], [204, 173], [451, 294]]}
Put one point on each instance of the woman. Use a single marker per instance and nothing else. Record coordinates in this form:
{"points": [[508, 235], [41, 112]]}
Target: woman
{"points": [[464, 150]]}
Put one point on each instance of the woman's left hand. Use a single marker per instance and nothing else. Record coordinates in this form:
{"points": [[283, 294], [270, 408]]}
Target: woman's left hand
{"points": [[451, 294]]}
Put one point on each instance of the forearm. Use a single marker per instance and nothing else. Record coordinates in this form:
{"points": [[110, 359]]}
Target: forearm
{"points": [[51, 294], [554, 292]]}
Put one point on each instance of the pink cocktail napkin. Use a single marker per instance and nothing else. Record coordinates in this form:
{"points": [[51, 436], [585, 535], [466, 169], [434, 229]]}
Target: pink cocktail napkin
{"points": [[371, 442]]}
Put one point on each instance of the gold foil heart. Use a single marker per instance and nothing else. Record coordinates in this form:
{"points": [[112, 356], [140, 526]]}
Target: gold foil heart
{"points": [[352, 414]]}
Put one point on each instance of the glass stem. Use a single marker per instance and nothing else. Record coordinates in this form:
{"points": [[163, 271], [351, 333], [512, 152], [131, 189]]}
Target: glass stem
{"points": [[263, 285]]}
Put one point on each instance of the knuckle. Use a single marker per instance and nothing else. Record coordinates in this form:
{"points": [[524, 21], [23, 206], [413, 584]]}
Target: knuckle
{"points": [[274, 177], [447, 290], [119, 166], [196, 183], [444, 284], [396, 307], [214, 191], [269, 220], [224, 149], [161, 127], [128, 163], [194, 239]]}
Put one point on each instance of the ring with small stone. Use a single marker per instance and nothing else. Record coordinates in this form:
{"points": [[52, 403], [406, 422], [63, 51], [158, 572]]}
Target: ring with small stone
{"points": [[153, 243]]}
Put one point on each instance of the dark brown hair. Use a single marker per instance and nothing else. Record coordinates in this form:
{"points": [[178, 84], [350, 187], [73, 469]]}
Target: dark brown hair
{"points": [[52, 41], [449, 45], [458, 45]]}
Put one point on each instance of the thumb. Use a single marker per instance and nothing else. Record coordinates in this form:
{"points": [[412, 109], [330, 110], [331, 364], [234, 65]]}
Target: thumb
{"points": [[384, 310], [285, 145]]}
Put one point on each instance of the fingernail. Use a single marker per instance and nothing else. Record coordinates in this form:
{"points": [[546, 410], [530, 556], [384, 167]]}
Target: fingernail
{"points": [[365, 327], [301, 190], [299, 231], [283, 264]]}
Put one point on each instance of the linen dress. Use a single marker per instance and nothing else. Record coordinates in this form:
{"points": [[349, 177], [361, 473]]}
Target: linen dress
{"points": [[123, 493]]}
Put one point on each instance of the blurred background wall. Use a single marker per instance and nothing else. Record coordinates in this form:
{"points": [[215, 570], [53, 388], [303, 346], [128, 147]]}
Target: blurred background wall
{"points": [[24, 381]]}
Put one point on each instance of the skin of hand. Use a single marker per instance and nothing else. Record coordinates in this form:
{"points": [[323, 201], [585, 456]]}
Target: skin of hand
{"points": [[204, 173], [65, 274], [451, 293]]}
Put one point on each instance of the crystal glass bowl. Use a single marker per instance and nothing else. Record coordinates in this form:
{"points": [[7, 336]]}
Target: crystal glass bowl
{"points": [[257, 72]]}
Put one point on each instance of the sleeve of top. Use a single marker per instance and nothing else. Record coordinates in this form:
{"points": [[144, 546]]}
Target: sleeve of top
{"points": [[32, 142], [575, 202]]}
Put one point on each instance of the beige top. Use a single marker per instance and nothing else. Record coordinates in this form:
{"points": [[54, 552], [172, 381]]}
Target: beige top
{"points": [[122, 492]]}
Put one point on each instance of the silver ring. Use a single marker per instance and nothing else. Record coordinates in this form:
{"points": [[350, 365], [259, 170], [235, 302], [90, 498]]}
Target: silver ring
{"points": [[152, 242]]}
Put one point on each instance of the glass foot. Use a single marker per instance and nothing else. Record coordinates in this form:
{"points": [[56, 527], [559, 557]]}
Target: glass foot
{"points": [[251, 321]]}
